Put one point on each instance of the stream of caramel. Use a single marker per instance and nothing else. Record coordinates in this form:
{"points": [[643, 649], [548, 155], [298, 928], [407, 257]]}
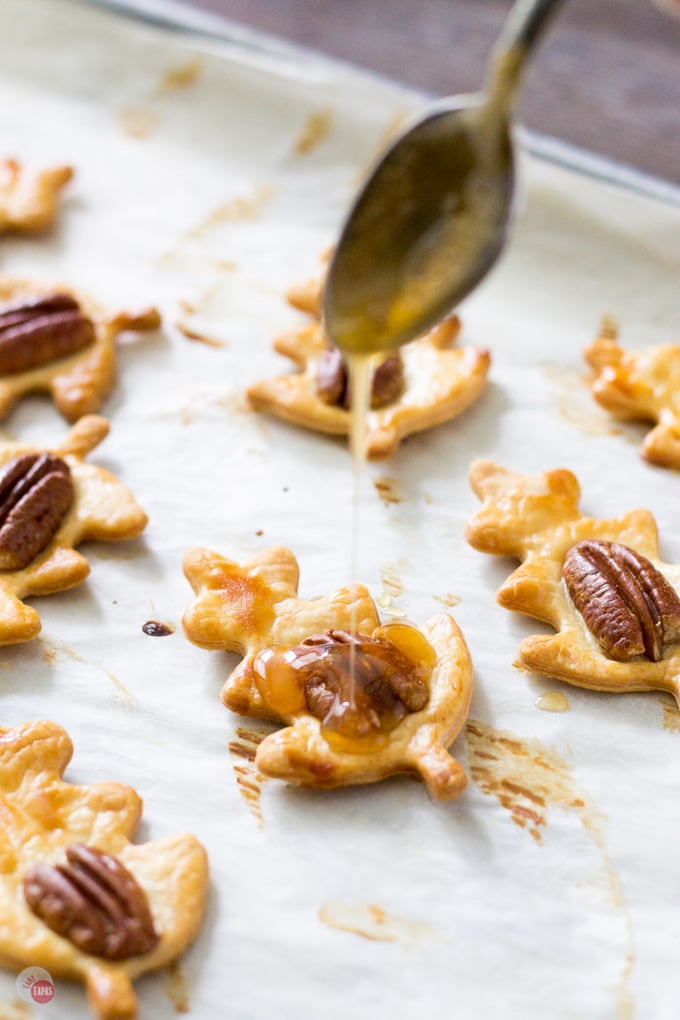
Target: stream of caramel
{"points": [[360, 368]]}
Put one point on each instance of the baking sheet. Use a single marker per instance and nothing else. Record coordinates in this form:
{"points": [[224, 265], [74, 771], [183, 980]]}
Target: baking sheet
{"points": [[198, 187]]}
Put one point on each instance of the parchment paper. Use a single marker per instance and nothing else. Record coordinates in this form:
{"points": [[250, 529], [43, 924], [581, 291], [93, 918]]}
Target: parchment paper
{"points": [[191, 187]]}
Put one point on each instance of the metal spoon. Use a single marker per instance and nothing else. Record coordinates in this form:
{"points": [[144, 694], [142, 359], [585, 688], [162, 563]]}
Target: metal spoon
{"points": [[433, 217]]}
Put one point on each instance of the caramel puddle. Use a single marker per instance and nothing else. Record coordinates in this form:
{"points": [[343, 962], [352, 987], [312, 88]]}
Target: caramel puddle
{"points": [[528, 779], [552, 701], [372, 922], [243, 749]]}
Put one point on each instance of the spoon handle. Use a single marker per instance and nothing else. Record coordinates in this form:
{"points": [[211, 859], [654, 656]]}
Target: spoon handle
{"points": [[526, 23], [522, 30]]}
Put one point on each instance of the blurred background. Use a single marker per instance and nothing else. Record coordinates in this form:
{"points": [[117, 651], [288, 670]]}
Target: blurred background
{"points": [[607, 78]]}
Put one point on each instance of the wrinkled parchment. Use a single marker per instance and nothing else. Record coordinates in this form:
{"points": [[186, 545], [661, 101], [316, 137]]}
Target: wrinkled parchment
{"points": [[209, 178]]}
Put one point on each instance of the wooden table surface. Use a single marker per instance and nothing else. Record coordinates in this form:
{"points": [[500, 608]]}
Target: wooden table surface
{"points": [[606, 79]]}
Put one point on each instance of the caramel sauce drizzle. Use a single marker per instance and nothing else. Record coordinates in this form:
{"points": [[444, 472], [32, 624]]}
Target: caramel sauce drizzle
{"points": [[56, 651], [388, 489], [202, 338], [529, 779], [176, 989], [671, 713], [449, 599], [372, 922], [243, 749]]}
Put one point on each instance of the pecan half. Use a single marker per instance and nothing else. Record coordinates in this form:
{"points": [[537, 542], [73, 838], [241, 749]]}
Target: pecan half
{"points": [[94, 902], [35, 331], [388, 381], [332, 382], [331, 377], [626, 603], [356, 684], [36, 491]]}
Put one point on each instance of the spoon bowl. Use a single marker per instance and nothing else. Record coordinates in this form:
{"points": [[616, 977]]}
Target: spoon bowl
{"points": [[428, 225], [433, 216]]}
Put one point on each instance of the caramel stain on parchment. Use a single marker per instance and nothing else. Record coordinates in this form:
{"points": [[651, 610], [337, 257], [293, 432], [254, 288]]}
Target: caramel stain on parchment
{"points": [[529, 779], [137, 122], [391, 579], [16, 1010], [243, 208], [392, 587], [56, 651], [243, 749], [247, 207], [141, 121], [234, 403], [609, 327], [175, 988], [449, 599], [315, 130], [394, 612], [671, 713], [193, 334], [575, 404], [388, 489], [526, 777], [181, 77], [372, 922]]}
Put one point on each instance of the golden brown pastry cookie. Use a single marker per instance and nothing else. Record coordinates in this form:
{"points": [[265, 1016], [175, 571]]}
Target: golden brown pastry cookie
{"points": [[76, 896], [29, 201], [412, 687], [599, 583], [50, 501], [428, 382], [643, 385], [54, 340]]}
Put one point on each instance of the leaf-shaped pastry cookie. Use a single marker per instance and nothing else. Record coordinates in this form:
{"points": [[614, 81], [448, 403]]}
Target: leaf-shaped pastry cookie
{"points": [[79, 501], [640, 385], [76, 896], [56, 340], [361, 701], [427, 383], [599, 583], [29, 199]]}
